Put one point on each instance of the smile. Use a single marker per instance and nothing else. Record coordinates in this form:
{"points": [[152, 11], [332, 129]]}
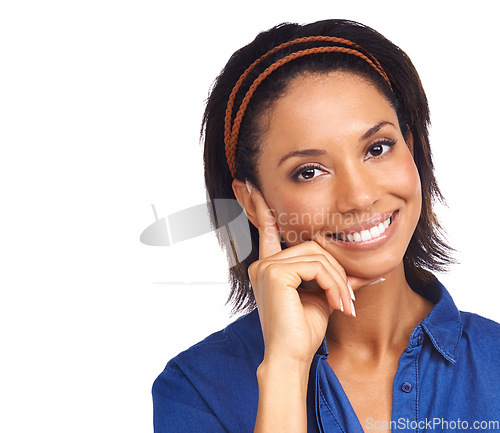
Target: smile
{"points": [[364, 235], [367, 235]]}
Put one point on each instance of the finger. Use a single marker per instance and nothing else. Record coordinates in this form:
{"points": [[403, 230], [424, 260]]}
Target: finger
{"points": [[333, 284], [312, 248], [358, 282], [354, 282], [338, 277], [293, 273], [269, 237], [317, 240]]}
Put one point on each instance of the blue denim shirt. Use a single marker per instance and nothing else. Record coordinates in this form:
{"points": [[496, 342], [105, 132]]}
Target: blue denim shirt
{"points": [[448, 379]]}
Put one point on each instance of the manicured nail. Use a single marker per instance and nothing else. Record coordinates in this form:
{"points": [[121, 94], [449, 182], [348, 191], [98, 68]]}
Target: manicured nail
{"points": [[341, 305], [351, 291], [249, 186], [378, 281], [352, 309]]}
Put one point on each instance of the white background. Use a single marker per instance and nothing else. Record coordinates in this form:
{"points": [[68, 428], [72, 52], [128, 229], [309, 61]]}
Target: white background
{"points": [[101, 104]]}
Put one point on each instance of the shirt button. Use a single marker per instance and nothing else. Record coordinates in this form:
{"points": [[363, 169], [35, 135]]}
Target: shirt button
{"points": [[406, 387], [420, 338]]}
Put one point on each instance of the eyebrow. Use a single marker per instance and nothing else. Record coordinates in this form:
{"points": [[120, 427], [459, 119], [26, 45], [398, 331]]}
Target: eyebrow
{"points": [[375, 129], [305, 152], [316, 152]]}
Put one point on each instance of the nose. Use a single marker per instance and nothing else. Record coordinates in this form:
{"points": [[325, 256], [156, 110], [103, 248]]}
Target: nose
{"points": [[355, 189]]}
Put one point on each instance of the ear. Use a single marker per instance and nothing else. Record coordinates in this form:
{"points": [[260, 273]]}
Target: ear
{"points": [[409, 139], [242, 194]]}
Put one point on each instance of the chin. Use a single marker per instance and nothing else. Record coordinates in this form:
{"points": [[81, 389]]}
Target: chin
{"points": [[371, 270]]}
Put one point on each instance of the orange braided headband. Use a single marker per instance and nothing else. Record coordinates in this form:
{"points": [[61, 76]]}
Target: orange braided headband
{"points": [[231, 133]]}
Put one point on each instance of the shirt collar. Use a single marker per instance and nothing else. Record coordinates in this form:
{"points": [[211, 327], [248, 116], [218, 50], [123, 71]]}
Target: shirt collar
{"points": [[442, 324]]}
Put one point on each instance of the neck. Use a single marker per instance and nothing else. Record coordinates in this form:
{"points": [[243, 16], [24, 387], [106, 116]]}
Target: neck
{"points": [[387, 313]]}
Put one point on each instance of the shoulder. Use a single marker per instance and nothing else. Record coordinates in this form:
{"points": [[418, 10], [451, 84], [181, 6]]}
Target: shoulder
{"points": [[476, 325], [213, 378], [481, 338], [452, 330], [241, 338], [240, 341]]}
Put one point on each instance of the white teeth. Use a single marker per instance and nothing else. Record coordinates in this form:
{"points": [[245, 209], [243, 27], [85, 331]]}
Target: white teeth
{"points": [[375, 232], [365, 235]]}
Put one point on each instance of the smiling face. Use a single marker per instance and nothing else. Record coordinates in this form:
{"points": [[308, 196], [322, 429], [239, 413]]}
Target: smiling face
{"points": [[334, 167]]}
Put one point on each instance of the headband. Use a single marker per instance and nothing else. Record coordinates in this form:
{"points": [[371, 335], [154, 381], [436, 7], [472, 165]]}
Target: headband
{"points": [[231, 132]]}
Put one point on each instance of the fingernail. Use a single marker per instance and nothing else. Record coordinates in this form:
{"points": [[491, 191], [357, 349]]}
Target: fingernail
{"points": [[341, 305], [353, 309], [351, 291], [249, 186], [378, 281]]}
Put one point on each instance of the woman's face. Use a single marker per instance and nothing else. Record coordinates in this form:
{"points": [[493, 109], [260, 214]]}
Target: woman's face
{"points": [[335, 168]]}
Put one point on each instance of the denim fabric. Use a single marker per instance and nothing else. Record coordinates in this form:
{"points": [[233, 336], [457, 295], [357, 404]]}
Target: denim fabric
{"points": [[448, 379]]}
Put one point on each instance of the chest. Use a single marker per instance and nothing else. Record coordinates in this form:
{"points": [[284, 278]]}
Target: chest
{"points": [[370, 394], [371, 401]]}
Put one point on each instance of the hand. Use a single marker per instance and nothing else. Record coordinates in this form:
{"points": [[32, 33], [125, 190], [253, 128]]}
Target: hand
{"points": [[294, 319]]}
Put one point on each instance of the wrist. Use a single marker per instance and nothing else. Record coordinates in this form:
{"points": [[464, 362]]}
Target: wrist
{"points": [[282, 396], [289, 372]]}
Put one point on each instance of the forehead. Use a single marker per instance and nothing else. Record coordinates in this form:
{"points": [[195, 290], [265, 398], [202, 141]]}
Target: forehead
{"points": [[330, 106]]}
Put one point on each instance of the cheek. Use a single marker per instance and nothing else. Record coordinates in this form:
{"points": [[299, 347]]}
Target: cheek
{"points": [[405, 179], [407, 186], [299, 218]]}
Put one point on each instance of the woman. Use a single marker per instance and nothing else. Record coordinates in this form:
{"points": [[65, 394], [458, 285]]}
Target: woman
{"points": [[320, 132]]}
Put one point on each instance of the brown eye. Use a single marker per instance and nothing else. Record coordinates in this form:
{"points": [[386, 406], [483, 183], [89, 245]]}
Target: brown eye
{"points": [[376, 150], [307, 172], [380, 148]]}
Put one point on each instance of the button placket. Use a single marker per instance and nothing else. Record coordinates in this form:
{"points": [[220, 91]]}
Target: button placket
{"points": [[405, 385], [420, 338]]}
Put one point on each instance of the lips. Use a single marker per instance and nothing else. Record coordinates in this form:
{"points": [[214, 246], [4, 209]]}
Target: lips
{"points": [[364, 232]]}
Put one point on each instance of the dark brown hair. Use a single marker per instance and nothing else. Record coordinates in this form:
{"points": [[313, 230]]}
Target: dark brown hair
{"points": [[427, 251]]}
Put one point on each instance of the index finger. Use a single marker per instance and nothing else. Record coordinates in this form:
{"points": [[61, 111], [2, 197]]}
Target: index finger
{"points": [[269, 237]]}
